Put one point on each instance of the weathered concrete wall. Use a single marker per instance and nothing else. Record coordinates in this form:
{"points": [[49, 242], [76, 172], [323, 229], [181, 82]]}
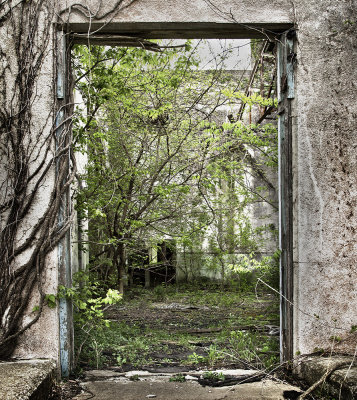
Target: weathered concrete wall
{"points": [[198, 19], [325, 178], [41, 340], [325, 111]]}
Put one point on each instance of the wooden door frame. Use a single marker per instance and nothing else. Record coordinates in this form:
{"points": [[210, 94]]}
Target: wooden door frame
{"points": [[286, 59]]}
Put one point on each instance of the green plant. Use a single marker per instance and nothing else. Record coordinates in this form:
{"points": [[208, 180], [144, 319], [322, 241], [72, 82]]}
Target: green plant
{"points": [[50, 300], [319, 350], [249, 270], [89, 304], [177, 378], [194, 358], [252, 348], [159, 293], [134, 378], [120, 360], [214, 376], [335, 339], [213, 355]]}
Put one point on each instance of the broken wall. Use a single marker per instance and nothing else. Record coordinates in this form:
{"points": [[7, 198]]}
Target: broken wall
{"points": [[324, 115], [323, 119]]}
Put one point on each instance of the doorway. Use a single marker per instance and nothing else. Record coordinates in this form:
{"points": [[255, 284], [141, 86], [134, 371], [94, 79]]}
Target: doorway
{"points": [[285, 216]]}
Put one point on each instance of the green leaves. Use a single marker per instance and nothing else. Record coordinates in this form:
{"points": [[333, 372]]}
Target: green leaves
{"points": [[89, 300], [50, 300], [161, 158], [253, 99]]}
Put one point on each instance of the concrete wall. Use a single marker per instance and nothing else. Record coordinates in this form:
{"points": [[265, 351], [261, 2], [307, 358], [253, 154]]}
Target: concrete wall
{"points": [[324, 113], [325, 173], [41, 340], [324, 165]]}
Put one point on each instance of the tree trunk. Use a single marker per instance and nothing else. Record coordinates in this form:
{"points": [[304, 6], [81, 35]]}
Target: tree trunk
{"points": [[121, 266]]}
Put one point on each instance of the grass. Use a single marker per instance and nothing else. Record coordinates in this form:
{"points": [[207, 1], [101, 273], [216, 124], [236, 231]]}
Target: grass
{"points": [[141, 335], [177, 378]]}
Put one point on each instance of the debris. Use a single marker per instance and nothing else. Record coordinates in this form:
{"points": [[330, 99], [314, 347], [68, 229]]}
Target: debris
{"points": [[191, 378], [201, 331], [177, 307], [231, 380]]}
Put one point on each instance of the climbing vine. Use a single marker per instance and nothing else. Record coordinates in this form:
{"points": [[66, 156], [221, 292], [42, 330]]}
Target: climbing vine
{"points": [[34, 156], [36, 159]]}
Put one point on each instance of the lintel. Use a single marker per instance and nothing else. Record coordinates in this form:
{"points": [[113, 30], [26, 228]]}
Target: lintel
{"points": [[110, 34]]}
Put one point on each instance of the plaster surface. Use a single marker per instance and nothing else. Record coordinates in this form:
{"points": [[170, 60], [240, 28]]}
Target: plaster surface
{"points": [[325, 174], [41, 340]]}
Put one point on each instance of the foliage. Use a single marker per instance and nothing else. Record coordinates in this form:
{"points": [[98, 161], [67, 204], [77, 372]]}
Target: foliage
{"points": [[159, 293], [90, 302], [249, 269], [137, 340], [177, 378], [214, 376], [159, 162], [250, 347]]}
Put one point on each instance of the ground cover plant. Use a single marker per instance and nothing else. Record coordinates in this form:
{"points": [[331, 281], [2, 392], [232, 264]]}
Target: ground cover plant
{"points": [[190, 327]]}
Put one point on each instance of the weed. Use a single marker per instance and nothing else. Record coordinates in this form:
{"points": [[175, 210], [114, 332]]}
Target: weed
{"points": [[335, 339], [250, 347], [194, 358], [120, 360], [159, 293], [214, 376], [213, 355], [177, 378], [319, 350], [134, 378]]}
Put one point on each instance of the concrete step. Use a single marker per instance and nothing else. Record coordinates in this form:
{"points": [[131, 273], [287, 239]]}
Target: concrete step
{"points": [[106, 385], [26, 379], [341, 383]]}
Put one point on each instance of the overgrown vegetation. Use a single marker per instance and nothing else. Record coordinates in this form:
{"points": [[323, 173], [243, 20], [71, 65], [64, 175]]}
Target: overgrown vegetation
{"points": [[166, 163], [194, 327], [170, 160]]}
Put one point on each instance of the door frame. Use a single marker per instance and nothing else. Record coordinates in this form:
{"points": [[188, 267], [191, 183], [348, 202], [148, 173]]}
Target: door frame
{"points": [[285, 35]]}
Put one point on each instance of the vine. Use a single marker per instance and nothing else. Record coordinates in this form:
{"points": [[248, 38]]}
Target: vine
{"points": [[34, 156]]}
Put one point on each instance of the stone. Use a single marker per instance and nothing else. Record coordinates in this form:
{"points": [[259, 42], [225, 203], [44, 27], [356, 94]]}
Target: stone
{"points": [[97, 375], [342, 382], [26, 379]]}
